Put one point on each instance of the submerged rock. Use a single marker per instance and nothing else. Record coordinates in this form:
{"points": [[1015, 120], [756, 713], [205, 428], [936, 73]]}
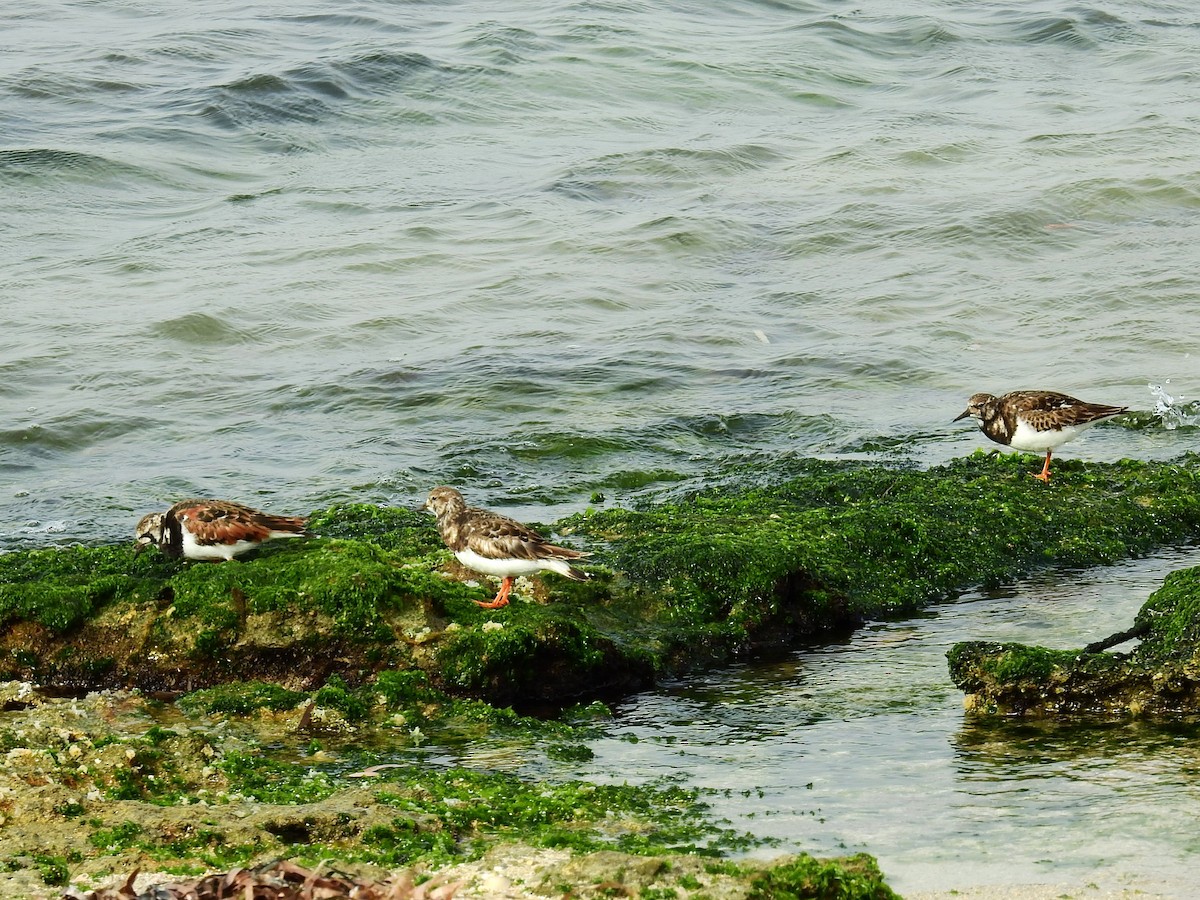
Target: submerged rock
{"points": [[97, 788], [1160, 677]]}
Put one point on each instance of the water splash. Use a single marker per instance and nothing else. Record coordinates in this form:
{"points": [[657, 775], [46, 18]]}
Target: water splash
{"points": [[1173, 412]]}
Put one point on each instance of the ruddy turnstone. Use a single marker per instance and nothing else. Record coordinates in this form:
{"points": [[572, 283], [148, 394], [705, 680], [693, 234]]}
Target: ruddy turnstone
{"points": [[1035, 420], [213, 529], [497, 545]]}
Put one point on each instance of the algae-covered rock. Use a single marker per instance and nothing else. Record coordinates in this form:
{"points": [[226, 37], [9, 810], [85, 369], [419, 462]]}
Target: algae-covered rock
{"points": [[677, 585], [850, 878], [609, 873], [369, 633], [1159, 677], [292, 615], [98, 785]]}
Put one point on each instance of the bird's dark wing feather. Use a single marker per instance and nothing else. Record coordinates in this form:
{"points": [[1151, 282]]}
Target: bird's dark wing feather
{"points": [[498, 537], [1046, 410], [225, 522]]}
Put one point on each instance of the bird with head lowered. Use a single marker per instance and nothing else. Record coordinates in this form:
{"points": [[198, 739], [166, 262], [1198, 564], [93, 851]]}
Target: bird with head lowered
{"points": [[213, 529]]}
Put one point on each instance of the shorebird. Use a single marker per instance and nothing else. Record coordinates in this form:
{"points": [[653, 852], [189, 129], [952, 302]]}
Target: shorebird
{"points": [[1035, 421], [213, 529], [497, 545]]}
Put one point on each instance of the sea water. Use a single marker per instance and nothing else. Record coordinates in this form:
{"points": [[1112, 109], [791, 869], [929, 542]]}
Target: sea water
{"points": [[292, 255]]}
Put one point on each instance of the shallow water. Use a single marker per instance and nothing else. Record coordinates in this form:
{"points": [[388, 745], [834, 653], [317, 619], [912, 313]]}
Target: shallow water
{"points": [[864, 746], [290, 256]]}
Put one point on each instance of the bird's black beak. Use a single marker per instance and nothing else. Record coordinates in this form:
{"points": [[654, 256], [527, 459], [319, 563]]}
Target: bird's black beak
{"points": [[961, 415]]}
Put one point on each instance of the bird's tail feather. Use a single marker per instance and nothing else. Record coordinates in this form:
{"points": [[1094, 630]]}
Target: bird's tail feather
{"points": [[287, 526], [564, 568]]}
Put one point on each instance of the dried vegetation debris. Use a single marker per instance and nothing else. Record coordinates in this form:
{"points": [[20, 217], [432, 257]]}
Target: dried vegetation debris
{"points": [[280, 880]]}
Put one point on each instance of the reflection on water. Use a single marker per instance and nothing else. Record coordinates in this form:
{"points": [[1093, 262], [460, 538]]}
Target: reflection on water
{"points": [[863, 745]]}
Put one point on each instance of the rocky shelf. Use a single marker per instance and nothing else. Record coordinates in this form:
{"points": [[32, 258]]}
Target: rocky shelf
{"points": [[188, 716]]}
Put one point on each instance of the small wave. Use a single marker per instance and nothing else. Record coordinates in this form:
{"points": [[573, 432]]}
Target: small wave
{"points": [[506, 44], [1172, 411], [85, 429], [1055, 29], [883, 38], [559, 445], [38, 162], [626, 174], [200, 328], [44, 83], [346, 22], [1081, 28], [743, 426], [309, 93]]}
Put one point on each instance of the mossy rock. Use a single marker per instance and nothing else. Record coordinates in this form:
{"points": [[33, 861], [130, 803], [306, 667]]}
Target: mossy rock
{"points": [[1160, 678], [294, 612], [678, 585], [808, 878], [1170, 620], [610, 873], [848, 541]]}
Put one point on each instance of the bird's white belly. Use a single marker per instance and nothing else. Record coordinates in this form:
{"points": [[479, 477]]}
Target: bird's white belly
{"points": [[499, 567], [193, 550], [1026, 438]]}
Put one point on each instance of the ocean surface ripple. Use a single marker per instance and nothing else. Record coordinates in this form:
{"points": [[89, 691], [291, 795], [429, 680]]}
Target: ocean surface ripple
{"points": [[291, 256]]}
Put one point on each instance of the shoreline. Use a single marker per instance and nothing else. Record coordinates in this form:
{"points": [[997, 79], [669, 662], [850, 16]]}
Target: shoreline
{"points": [[263, 681]]}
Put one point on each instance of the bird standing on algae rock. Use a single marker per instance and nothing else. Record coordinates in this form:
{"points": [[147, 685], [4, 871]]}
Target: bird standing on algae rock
{"points": [[497, 545], [1035, 421]]}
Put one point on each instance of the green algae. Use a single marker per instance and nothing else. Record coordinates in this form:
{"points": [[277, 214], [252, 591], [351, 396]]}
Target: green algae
{"points": [[406, 696], [195, 795], [351, 582], [442, 816], [716, 574], [422, 815], [516, 658], [259, 777], [404, 532], [118, 790], [613, 874], [850, 540], [241, 698], [1014, 661], [169, 622], [1170, 619], [808, 878], [580, 815], [677, 585], [336, 695], [59, 588], [55, 870], [201, 845]]}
